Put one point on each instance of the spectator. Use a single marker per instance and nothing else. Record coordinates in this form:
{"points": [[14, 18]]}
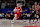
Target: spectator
{"points": [[8, 4], [8, 15], [28, 15], [26, 11], [28, 5], [30, 10], [1, 15], [3, 5]]}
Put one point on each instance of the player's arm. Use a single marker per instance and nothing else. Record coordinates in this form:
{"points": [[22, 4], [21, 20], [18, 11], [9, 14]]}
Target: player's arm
{"points": [[20, 9], [38, 7], [14, 10]]}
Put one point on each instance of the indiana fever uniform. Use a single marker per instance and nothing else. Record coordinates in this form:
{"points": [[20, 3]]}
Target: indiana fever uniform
{"points": [[18, 12]]}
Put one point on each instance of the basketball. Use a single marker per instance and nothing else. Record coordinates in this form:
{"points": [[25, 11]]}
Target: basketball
{"points": [[15, 10]]}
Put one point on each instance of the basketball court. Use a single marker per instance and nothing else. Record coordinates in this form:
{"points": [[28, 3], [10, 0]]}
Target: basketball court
{"points": [[18, 23]]}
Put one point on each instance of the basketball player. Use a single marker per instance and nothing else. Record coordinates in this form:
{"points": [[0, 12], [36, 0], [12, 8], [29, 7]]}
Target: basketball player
{"points": [[33, 13], [17, 12], [36, 10]]}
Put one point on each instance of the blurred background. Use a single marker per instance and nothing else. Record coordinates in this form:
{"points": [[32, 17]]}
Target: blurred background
{"points": [[28, 9]]}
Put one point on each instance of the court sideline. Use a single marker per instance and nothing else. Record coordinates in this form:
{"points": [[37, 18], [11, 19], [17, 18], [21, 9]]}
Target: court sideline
{"points": [[18, 23]]}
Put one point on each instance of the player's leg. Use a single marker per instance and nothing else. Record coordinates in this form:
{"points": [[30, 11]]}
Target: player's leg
{"points": [[37, 18], [33, 19], [29, 20], [14, 19]]}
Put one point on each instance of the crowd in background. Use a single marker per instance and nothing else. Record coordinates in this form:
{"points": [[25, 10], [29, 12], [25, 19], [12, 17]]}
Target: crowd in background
{"points": [[25, 15], [12, 3]]}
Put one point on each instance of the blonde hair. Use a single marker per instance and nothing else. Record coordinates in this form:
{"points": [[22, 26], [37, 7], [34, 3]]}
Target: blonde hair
{"points": [[35, 2]]}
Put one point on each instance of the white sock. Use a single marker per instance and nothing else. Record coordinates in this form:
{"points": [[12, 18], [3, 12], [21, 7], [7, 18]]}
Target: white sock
{"points": [[12, 22]]}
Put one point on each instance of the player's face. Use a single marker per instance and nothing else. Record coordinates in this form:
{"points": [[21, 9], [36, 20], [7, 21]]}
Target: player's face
{"points": [[17, 5], [35, 3], [33, 6]]}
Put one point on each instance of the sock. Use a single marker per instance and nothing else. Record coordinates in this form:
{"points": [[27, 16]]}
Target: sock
{"points": [[12, 22]]}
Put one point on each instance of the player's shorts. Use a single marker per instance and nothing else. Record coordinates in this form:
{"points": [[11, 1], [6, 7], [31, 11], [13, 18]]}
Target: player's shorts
{"points": [[18, 15]]}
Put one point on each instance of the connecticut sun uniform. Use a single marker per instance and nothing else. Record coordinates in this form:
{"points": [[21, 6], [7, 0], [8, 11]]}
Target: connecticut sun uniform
{"points": [[18, 12], [39, 8]]}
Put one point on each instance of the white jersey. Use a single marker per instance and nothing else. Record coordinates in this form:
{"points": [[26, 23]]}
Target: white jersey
{"points": [[36, 7], [28, 15]]}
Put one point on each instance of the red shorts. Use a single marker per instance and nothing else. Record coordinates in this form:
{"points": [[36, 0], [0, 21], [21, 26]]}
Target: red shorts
{"points": [[18, 15], [39, 10]]}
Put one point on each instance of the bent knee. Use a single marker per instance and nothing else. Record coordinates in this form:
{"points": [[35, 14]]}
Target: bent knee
{"points": [[15, 17]]}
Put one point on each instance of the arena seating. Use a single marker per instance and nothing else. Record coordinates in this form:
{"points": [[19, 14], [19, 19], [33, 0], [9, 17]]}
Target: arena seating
{"points": [[9, 10]]}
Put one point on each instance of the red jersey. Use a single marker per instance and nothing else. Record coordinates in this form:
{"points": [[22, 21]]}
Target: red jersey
{"points": [[39, 8], [18, 10]]}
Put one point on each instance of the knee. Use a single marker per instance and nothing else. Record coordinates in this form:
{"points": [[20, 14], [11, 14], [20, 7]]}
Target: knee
{"points": [[15, 17]]}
